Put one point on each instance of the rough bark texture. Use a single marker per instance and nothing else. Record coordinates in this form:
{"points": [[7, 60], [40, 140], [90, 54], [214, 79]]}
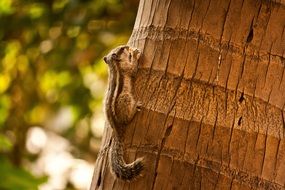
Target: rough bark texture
{"points": [[212, 84]]}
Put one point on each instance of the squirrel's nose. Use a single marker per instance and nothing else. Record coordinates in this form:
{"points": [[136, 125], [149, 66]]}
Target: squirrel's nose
{"points": [[105, 59]]}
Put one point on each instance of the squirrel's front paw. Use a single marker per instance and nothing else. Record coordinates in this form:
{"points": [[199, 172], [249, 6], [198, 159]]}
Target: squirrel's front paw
{"points": [[137, 53]]}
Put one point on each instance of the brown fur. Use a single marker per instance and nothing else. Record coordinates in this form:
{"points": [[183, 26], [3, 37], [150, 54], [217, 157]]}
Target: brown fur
{"points": [[121, 106]]}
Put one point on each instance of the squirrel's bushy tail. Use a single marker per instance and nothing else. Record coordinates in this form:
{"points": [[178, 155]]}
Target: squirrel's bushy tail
{"points": [[119, 167]]}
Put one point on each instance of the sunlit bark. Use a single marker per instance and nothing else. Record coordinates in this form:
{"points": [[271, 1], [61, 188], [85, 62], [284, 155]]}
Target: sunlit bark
{"points": [[212, 83]]}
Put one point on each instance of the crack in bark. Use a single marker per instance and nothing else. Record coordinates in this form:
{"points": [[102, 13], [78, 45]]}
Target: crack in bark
{"points": [[166, 134]]}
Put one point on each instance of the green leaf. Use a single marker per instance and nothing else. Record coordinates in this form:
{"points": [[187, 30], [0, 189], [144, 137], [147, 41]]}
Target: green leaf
{"points": [[5, 104], [13, 178], [6, 7], [5, 143]]}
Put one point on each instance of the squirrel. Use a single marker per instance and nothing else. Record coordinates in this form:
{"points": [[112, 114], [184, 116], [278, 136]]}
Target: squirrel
{"points": [[121, 107]]}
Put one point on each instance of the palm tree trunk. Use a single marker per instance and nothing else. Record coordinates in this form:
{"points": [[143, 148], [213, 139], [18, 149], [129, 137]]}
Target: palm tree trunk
{"points": [[212, 83]]}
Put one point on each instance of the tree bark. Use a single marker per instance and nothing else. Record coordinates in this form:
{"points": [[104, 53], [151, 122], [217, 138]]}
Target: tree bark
{"points": [[212, 84]]}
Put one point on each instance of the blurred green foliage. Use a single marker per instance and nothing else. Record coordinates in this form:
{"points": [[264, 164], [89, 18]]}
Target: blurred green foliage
{"points": [[16, 178], [50, 56]]}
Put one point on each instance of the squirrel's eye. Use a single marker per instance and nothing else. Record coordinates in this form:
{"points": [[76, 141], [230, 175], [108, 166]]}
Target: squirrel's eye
{"points": [[114, 56]]}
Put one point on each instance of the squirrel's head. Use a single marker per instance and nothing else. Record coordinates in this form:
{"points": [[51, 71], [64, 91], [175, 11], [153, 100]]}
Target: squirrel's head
{"points": [[123, 57]]}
